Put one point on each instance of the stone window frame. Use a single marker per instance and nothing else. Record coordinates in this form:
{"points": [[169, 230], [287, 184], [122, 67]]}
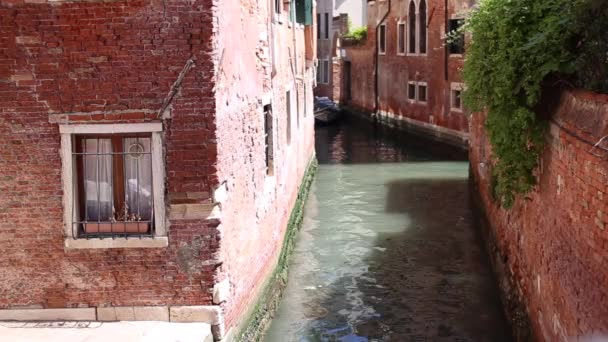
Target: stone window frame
{"points": [[409, 99], [68, 173], [417, 27], [424, 84], [464, 39], [419, 24], [380, 52], [404, 23], [324, 71], [454, 87], [408, 38]]}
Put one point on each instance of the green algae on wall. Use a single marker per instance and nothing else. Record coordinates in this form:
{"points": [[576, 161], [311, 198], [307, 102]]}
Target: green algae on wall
{"points": [[270, 297]]}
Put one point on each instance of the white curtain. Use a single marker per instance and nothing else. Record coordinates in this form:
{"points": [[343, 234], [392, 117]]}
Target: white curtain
{"points": [[98, 179], [138, 177]]}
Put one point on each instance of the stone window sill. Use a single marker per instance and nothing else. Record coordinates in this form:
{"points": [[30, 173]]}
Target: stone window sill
{"points": [[135, 242]]}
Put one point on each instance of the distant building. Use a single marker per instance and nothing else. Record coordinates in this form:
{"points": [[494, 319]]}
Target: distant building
{"points": [[334, 18], [405, 72], [151, 153]]}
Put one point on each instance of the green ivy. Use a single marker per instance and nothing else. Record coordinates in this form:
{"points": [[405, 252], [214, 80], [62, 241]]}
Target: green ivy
{"points": [[516, 45], [358, 34]]}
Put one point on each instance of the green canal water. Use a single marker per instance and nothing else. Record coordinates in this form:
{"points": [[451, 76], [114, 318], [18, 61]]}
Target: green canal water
{"points": [[388, 250]]}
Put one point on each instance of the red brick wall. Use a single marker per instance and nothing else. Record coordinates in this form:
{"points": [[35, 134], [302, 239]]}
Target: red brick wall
{"points": [[102, 62], [396, 70], [552, 246]]}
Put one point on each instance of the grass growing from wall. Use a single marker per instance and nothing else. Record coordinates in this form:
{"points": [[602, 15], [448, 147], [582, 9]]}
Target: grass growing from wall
{"points": [[517, 45], [270, 298]]}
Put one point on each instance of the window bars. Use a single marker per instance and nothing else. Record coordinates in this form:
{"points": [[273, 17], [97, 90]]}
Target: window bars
{"points": [[113, 192]]}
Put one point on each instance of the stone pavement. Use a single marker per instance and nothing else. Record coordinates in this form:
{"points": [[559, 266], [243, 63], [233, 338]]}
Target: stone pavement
{"points": [[104, 331]]}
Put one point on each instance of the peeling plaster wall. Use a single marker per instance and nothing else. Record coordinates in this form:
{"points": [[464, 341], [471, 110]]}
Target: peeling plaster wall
{"points": [[257, 206]]}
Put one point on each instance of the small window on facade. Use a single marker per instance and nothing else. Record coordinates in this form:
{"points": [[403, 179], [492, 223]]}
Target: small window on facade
{"points": [[114, 185], [422, 95], [411, 91], [422, 15], [326, 71], [288, 116], [456, 40], [298, 108], [269, 147], [401, 38], [412, 28], [320, 72], [277, 6], [456, 97], [319, 26], [382, 39], [326, 26]]}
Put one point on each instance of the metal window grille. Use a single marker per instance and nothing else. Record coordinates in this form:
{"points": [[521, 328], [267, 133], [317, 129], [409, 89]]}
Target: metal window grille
{"points": [[113, 188]]}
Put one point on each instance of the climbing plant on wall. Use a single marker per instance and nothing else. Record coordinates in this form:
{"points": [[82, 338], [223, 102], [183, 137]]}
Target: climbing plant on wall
{"points": [[516, 45]]}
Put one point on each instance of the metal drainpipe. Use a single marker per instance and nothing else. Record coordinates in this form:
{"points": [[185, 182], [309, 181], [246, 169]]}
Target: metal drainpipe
{"points": [[376, 62]]}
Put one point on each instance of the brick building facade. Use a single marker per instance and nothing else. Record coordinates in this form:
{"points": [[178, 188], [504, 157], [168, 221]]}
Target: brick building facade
{"points": [[418, 83], [334, 18], [551, 248], [150, 155]]}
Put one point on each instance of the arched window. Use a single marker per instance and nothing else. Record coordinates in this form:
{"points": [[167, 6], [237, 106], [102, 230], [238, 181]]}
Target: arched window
{"points": [[412, 27], [422, 15]]}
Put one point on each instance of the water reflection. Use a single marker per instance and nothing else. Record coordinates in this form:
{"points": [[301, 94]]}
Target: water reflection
{"points": [[388, 251]]}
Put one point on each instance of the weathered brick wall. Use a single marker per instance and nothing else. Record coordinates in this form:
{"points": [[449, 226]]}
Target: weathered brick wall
{"points": [[396, 70], [257, 206], [552, 246], [102, 62]]}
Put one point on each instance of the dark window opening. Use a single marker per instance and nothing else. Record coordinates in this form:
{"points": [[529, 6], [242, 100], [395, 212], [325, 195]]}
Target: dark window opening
{"points": [[114, 185], [412, 34], [269, 147], [457, 99], [422, 26], [288, 128], [411, 91], [422, 93], [456, 36], [318, 25], [401, 38], [382, 39], [277, 6], [326, 26]]}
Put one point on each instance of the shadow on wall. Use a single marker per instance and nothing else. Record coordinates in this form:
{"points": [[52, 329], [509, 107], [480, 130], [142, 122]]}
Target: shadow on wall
{"points": [[430, 282]]}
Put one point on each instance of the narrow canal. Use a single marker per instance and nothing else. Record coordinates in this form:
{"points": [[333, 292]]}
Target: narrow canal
{"points": [[388, 249]]}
